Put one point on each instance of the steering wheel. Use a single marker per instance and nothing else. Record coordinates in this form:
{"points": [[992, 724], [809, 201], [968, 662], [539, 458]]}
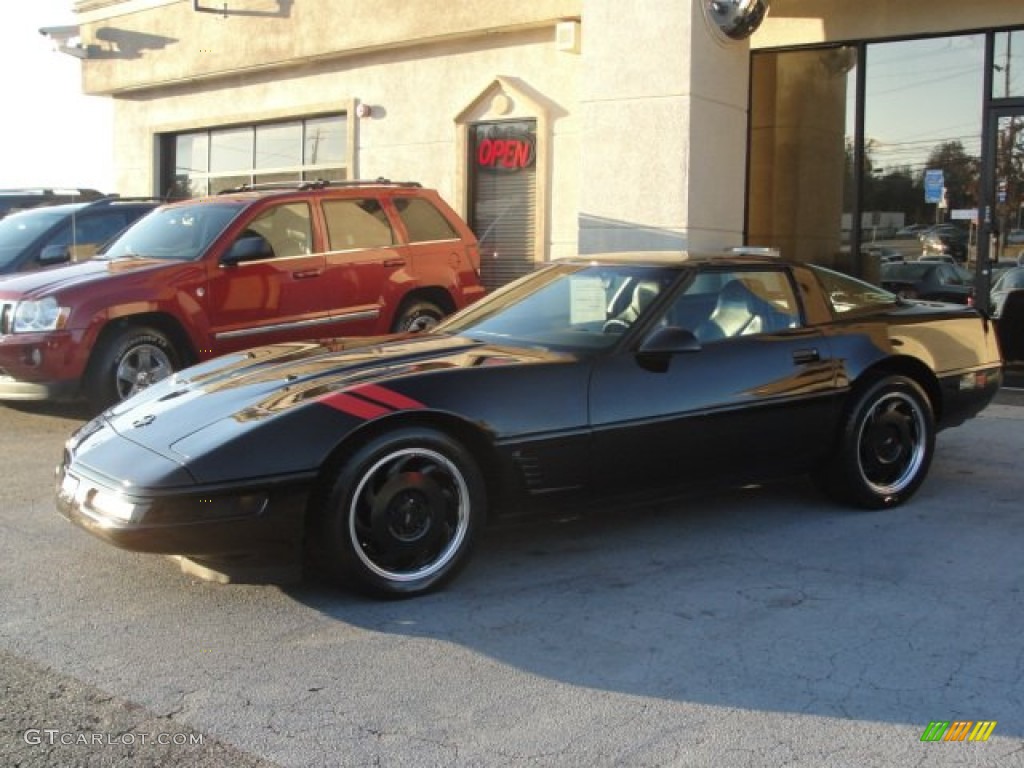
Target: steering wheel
{"points": [[615, 325]]}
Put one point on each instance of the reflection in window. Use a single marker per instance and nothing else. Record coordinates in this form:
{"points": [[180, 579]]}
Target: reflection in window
{"points": [[798, 148], [922, 111], [922, 129], [324, 143], [191, 161], [1008, 65], [278, 146], [1009, 180], [231, 150]]}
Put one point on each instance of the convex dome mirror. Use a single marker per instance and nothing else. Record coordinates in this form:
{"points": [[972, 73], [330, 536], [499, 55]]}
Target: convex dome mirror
{"points": [[734, 19]]}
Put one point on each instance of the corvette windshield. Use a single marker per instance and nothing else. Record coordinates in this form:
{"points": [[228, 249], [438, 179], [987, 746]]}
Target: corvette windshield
{"points": [[181, 233], [569, 306]]}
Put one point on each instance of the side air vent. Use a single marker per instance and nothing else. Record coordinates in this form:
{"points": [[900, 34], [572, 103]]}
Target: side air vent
{"points": [[530, 471]]}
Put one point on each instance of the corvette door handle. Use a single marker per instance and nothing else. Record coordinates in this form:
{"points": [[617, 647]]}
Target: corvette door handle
{"points": [[394, 263], [802, 356], [304, 273]]}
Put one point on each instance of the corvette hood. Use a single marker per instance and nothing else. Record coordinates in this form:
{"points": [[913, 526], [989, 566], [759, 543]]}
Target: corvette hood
{"points": [[45, 282], [293, 393]]}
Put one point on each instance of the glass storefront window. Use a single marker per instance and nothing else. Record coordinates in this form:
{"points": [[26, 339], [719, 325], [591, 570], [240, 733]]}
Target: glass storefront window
{"points": [[191, 158], [922, 139], [1008, 66], [800, 151], [1009, 177], [210, 161], [278, 146], [916, 136], [231, 150], [324, 143]]}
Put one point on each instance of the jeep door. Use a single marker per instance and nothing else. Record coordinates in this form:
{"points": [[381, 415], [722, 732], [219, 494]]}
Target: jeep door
{"points": [[268, 284], [363, 255]]}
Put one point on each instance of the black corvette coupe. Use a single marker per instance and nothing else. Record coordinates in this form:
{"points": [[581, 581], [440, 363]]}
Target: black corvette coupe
{"points": [[378, 460]]}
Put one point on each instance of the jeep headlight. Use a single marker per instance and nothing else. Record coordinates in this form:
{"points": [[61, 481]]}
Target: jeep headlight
{"points": [[43, 315]]}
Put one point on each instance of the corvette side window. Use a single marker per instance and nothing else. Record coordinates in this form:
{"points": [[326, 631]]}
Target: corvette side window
{"points": [[722, 305], [848, 294]]}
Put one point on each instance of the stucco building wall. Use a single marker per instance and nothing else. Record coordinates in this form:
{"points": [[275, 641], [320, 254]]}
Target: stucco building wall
{"points": [[642, 114]]}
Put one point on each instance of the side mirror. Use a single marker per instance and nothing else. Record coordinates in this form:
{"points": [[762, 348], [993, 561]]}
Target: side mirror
{"points": [[55, 254], [669, 340], [249, 248]]}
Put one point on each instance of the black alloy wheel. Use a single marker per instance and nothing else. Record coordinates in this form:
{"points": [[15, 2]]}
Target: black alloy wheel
{"points": [[401, 515], [886, 445]]}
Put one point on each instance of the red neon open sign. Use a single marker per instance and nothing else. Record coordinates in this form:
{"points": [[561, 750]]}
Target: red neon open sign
{"points": [[508, 154]]}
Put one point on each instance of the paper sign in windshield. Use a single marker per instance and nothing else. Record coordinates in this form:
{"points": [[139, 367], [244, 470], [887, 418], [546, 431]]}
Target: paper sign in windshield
{"points": [[587, 300]]}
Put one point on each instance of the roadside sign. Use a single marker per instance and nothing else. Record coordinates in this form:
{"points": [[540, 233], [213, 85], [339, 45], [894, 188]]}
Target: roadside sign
{"points": [[934, 182]]}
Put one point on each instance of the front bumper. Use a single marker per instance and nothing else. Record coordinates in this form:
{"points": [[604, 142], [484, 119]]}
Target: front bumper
{"points": [[264, 522], [12, 389], [42, 366]]}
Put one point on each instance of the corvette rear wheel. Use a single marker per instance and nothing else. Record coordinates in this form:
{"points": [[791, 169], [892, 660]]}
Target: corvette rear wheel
{"points": [[402, 514], [886, 446]]}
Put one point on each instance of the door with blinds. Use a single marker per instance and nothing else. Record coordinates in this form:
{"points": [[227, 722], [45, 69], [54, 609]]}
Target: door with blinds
{"points": [[503, 193]]}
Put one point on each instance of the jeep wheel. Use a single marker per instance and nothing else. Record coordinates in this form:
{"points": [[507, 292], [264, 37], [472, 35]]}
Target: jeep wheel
{"points": [[128, 362], [416, 316]]}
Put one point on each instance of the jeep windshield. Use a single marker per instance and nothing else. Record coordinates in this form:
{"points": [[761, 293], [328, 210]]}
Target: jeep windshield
{"points": [[177, 233]]}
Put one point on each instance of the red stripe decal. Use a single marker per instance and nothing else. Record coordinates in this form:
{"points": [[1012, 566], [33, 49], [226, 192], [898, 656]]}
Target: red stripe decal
{"points": [[355, 406], [386, 396]]}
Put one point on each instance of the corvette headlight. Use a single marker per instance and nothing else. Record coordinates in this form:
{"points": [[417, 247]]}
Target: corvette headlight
{"points": [[115, 505], [43, 315]]}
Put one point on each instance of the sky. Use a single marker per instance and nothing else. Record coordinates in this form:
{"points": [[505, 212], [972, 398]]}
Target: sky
{"points": [[51, 134]]}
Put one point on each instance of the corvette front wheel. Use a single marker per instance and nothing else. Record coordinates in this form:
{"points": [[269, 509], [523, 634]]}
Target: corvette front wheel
{"points": [[401, 515]]}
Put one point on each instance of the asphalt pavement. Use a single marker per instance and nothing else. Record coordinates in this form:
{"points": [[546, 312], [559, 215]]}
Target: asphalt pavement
{"points": [[744, 628]]}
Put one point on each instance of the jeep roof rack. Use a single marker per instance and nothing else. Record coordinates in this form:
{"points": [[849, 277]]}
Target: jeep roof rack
{"points": [[53, 191], [316, 184]]}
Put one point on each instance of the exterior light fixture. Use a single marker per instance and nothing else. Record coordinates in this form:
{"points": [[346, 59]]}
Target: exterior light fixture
{"points": [[734, 20]]}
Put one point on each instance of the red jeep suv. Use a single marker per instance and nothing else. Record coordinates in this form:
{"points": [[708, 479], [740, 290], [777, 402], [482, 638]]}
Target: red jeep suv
{"points": [[202, 277]]}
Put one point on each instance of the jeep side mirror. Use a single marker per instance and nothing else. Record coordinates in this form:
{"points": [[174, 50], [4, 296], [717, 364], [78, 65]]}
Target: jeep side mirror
{"points": [[248, 248], [55, 254]]}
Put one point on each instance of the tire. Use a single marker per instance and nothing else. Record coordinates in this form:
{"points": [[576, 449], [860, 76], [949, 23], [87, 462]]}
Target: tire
{"points": [[886, 445], [401, 516], [417, 316], [127, 363]]}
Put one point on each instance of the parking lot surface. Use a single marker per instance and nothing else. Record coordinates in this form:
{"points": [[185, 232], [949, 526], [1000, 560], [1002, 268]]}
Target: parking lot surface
{"points": [[754, 627]]}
